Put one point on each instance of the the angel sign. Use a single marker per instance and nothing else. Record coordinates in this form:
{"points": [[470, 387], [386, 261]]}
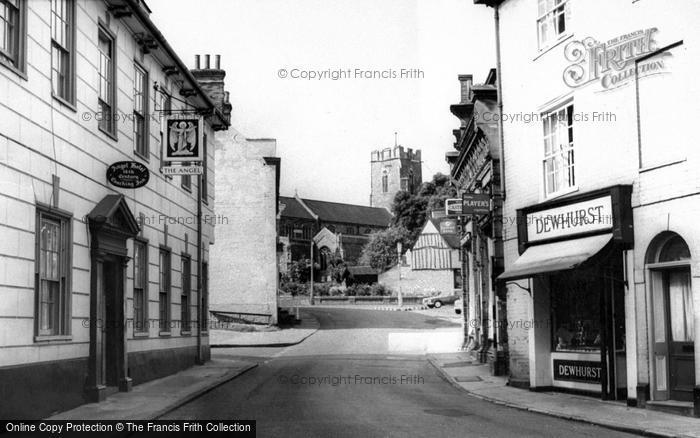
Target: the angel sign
{"points": [[183, 139]]}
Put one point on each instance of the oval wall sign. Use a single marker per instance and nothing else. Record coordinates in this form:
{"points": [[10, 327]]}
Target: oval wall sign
{"points": [[128, 174]]}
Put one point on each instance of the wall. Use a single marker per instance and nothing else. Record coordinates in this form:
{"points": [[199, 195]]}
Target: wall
{"points": [[40, 136], [244, 260], [606, 149]]}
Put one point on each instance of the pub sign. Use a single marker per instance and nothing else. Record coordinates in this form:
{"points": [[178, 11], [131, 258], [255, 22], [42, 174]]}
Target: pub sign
{"points": [[184, 137]]}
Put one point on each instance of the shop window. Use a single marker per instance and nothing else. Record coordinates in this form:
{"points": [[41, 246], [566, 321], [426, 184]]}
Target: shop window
{"points": [[553, 20], [576, 312], [558, 162], [457, 278]]}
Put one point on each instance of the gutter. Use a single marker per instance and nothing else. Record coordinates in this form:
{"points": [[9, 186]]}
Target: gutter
{"points": [[146, 21]]}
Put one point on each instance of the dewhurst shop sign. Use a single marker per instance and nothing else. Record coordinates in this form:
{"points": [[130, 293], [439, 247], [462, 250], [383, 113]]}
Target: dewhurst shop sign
{"points": [[612, 63], [577, 371], [581, 217]]}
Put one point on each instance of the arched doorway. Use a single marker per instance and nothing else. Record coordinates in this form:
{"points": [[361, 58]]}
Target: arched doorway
{"points": [[668, 264]]}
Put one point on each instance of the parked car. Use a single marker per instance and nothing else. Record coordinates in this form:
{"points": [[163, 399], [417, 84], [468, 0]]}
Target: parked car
{"points": [[458, 306], [438, 300]]}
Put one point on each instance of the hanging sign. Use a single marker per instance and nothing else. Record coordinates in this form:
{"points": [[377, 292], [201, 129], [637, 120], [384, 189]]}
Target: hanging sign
{"points": [[476, 203], [184, 136], [128, 174]]}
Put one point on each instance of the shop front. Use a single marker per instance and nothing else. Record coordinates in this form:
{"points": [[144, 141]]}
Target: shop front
{"points": [[571, 262]]}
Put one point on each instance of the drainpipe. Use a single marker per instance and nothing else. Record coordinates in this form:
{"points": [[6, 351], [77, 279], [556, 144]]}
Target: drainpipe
{"points": [[200, 356], [499, 86]]}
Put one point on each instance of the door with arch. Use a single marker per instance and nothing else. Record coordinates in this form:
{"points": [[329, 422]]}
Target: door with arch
{"points": [[668, 265]]}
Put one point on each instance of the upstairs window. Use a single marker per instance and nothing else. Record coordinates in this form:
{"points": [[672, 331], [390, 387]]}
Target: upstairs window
{"points": [[553, 21], [12, 33], [140, 111], [558, 162], [62, 80], [107, 91], [385, 183]]}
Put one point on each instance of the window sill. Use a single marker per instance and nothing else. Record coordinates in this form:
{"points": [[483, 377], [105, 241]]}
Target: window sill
{"points": [[142, 156], [541, 52], [53, 338], [111, 135], [65, 103], [187, 189], [185, 333], [662, 165], [141, 335], [14, 69], [164, 334], [560, 194]]}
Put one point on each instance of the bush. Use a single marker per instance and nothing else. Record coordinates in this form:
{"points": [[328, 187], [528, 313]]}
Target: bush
{"points": [[379, 290], [294, 288], [322, 289]]}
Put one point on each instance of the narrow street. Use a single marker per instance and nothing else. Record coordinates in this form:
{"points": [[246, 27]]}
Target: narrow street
{"points": [[363, 387]]}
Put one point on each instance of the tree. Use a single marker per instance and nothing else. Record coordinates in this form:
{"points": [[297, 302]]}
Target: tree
{"points": [[412, 210], [380, 251]]}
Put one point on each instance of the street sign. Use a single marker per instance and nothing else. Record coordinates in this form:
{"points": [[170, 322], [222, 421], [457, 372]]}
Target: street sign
{"points": [[182, 170], [184, 137], [128, 174], [476, 203], [448, 226], [453, 206]]}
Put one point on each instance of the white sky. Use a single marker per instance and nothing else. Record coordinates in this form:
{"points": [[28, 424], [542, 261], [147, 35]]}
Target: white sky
{"points": [[326, 129]]}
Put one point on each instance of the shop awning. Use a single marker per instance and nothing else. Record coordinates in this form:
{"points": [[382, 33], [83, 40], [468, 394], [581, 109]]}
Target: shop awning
{"points": [[555, 257]]}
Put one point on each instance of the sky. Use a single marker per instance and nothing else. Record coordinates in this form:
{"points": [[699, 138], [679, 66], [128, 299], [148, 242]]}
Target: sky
{"points": [[325, 128]]}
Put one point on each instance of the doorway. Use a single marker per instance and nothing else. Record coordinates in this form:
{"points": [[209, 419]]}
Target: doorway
{"points": [[110, 290], [673, 325]]}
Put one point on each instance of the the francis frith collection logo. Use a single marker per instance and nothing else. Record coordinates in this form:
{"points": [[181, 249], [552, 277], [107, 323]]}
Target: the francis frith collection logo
{"points": [[612, 63]]}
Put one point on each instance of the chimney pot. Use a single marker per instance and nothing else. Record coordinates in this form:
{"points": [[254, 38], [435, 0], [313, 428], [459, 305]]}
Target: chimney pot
{"points": [[207, 59], [218, 61], [196, 62]]}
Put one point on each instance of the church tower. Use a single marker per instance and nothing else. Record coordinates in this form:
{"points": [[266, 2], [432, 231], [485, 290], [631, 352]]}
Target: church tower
{"points": [[394, 170]]}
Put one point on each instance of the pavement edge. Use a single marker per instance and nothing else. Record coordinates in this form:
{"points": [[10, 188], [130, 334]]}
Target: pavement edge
{"points": [[616, 427], [273, 344], [200, 392]]}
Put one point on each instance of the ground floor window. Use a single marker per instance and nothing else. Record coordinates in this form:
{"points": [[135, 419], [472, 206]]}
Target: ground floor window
{"points": [[53, 247], [576, 302]]}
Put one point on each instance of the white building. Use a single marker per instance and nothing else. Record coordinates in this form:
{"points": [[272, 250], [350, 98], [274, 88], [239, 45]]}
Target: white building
{"points": [[602, 247], [244, 268], [99, 285], [432, 266]]}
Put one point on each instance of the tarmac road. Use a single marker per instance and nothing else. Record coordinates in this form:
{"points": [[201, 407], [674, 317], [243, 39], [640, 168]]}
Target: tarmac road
{"points": [[348, 380]]}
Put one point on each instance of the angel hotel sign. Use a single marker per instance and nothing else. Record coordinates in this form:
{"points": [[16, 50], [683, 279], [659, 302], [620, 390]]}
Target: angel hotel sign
{"points": [[183, 139], [582, 217]]}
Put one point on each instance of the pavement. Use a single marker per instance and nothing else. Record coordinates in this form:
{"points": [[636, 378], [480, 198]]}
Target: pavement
{"points": [[284, 337], [154, 399], [463, 371]]}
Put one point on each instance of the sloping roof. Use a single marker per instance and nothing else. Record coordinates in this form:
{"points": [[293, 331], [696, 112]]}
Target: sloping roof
{"points": [[348, 213], [336, 212], [292, 208]]}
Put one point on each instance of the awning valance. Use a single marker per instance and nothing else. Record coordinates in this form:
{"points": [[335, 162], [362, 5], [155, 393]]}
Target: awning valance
{"points": [[555, 257]]}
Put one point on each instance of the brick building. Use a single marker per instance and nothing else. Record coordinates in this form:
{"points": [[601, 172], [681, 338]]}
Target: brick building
{"points": [[100, 287], [394, 170], [345, 226], [475, 165], [244, 268], [602, 250]]}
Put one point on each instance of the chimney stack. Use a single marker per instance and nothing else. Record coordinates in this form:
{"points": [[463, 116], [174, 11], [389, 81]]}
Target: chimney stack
{"points": [[465, 82], [212, 81]]}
